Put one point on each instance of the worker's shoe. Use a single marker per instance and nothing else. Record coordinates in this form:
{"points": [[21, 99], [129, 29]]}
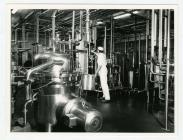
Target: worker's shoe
{"points": [[105, 101]]}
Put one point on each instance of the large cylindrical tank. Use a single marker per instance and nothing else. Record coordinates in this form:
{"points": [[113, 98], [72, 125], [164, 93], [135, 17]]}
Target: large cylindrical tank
{"points": [[50, 98]]}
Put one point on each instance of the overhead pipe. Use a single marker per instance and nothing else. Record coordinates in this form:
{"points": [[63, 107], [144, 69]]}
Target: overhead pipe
{"points": [[53, 29]]}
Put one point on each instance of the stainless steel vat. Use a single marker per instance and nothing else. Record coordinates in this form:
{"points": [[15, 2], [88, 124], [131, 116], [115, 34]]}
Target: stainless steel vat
{"points": [[88, 82]]}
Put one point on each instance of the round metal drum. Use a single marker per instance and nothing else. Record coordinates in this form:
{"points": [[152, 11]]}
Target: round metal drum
{"points": [[88, 82]]}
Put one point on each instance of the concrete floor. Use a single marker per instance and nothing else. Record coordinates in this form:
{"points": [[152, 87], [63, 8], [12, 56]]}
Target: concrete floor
{"points": [[125, 113]]}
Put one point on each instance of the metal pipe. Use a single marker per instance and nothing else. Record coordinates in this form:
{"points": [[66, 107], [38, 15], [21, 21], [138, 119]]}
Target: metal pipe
{"points": [[73, 38], [152, 39], [111, 43], [139, 50], [105, 39], [23, 35], [87, 25], [16, 32], [37, 28], [160, 37], [45, 39], [73, 24], [53, 29], [155, 28], [48, 127], [81, 25], [25, 111], [139, 63], [167, 72], [87, 36], [165, 29], [38, 68]]}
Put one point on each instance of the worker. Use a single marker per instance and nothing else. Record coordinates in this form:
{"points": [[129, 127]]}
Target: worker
{"points": [[102, 71]]}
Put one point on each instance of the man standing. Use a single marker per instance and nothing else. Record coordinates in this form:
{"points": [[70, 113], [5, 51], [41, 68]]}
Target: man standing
{"points": [[102, 71]]}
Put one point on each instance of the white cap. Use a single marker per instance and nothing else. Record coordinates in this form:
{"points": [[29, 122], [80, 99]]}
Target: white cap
{"points": [[100, 48]]}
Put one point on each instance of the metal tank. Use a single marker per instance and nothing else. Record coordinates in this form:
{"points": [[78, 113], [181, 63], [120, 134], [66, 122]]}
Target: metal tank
{"points": [[88, 82], [56, 101]]}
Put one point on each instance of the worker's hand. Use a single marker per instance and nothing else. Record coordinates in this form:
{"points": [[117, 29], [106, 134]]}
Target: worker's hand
{"points": [[95, 75]]}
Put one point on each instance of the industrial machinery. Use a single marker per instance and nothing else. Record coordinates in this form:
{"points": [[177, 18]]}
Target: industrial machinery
{"points": [[56, 101]]}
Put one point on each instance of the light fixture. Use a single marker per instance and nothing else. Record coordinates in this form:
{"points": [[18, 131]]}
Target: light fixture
{"points": [[122, 16], [100, 22], [125, 15], [135, 12], [13, 11]]}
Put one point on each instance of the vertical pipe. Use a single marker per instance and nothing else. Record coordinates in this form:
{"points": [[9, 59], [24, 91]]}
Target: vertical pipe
{"points": [[28, 92], [73, 24], [165, 30], [45, 40], [111, 43], [37, 33], [24, 56], [160, 36], [81, 25], [155, 28], [73, 32], [23, 35], [53, 29], [27, 36], [146, 50], [49, 38], [152, 33], [16, 31], [125, 56], [87, 36], [152, 38], [139, 62], [37, 28], [48, 127], [105, 39], [125, 46], [167, 72], [139, 50], [87, 25]]}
